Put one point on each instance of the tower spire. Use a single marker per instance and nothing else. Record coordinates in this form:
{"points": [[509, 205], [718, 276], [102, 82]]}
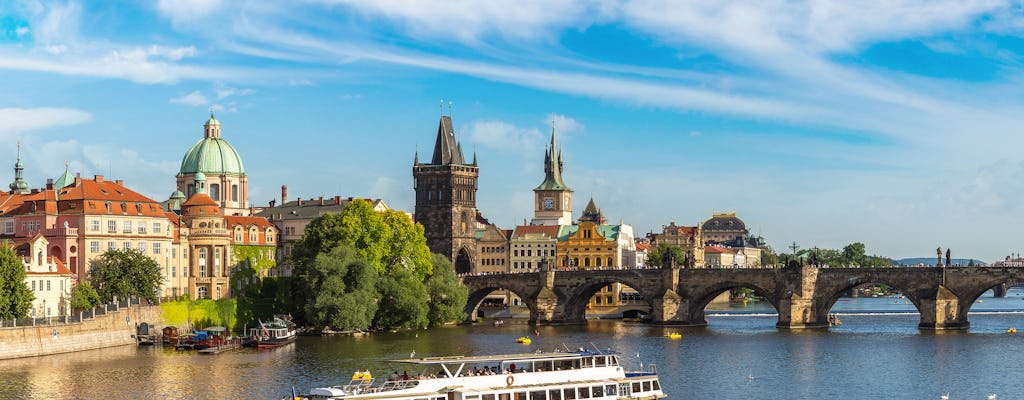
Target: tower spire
{"points": [[19, 185], [553, 166]]}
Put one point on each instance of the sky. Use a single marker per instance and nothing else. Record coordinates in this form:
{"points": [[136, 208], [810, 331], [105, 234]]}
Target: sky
{"points": [[894, 124]]}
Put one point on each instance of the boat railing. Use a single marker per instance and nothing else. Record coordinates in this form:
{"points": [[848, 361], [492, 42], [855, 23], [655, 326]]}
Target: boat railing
{"points": [[359, 386]]}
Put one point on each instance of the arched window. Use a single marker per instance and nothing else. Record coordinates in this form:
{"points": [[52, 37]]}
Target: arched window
{"points": [[610, 263], [39, 258], [598, 261], [586, 261], [234, 192], [201, 292], [215, 191]]}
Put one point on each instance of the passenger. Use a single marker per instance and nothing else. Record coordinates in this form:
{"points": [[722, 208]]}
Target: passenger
{"points": [[405, 375], [394, 376], [358, 376], [367, 376], [512, 368]]}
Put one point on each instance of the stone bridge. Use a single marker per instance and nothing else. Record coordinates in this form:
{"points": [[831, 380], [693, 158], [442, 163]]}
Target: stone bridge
{"points": [[803, 296]]}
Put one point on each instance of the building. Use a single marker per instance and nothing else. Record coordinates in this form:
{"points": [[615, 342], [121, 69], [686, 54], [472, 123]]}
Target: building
{"points": [[221, 166], [552, 198], [723, 227], [206, 243], [492, 247], [48, 278], [446, 199], [291, 217], [588, 246], [643, 248], [530, 244], [688, 238], [719, 257]]}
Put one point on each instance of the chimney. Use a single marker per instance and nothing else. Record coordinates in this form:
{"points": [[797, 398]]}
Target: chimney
{"points": [[272, 201], [298, 201], [284, 194], [49, 183], [98, 178], [119, 182], [321, 200], [337, 199]]}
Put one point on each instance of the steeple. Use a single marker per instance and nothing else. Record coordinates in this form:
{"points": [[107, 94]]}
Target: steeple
{"points": [[19, 185], [446, 149], [592, 213], [553, 167], [211, 129]]}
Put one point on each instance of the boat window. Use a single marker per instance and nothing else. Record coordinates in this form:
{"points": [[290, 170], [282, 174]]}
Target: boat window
{"points": [[613, 360], [598, 391], [584, 392], [647, 386], [570, 393], [609, 390], [599, 361], [555, 394], [636, 387], [488, 397], [504, 396], [624, 389], [474, 397], [540, 395], [657, 386], [520, 395]]}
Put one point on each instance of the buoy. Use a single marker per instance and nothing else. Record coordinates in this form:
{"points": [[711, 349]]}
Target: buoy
{"points": [[510, 380]]}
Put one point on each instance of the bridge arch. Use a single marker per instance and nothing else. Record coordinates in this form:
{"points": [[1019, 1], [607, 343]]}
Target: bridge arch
{"points": [[700, 298], [575, 308], [970, 296], [479, 293], [835, 292]]}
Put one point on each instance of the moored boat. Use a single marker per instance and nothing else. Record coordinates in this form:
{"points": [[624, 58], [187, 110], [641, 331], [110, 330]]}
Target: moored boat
{"points": [[276, 333], [582, 374]]}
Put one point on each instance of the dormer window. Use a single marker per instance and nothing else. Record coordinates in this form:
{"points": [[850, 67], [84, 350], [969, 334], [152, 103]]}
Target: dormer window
{"points": [[138, 208]]}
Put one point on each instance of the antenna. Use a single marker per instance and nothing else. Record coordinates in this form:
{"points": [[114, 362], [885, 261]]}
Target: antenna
{"points": [[441, 107], [450, 106]]}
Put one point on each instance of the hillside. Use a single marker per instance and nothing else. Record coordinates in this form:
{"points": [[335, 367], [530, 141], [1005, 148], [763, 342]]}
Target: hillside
{"points": [[931, 261]]}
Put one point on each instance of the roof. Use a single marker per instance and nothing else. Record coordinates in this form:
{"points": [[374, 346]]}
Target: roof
{"points": [[60, 270], [84, 196], [723, 222], [446, 149], [609, 232], [718, 249], [200, 203], [642, 247], [247, 221], [495, 358], [553, 167], [549, 231], [212, 156], [592, 213], [300, 209]]}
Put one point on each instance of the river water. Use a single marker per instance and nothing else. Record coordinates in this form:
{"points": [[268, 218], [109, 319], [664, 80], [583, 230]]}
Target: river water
{"points": [[877, 353]]}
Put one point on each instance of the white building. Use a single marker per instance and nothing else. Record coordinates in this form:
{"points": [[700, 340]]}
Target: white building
{"points": [[47, 277]]}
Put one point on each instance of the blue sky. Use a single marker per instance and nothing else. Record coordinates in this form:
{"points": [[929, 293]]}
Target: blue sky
{"points": [[896, 124]]}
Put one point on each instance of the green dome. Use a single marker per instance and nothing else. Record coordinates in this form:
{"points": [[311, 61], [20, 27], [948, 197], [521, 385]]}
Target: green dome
{"points": [[212, 156]]}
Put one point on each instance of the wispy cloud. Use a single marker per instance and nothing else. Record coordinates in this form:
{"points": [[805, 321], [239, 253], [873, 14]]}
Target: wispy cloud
{"points": [[192, 99], [21, 120]]}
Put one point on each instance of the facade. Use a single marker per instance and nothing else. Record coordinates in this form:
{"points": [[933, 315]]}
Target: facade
{"points": [[207, 244], [723, 227], [47, 277], [552, 198], [642, 250], [492, 247], [446, 199], [530, 244], [688, 238], [253, 243], [291, 217], [722, 257], [588, 246], [221, 166]]}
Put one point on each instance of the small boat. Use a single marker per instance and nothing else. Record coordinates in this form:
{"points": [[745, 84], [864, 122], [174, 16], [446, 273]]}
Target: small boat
{"points": [[1011, 330], [583, 374], [674, 335], [276, 333], [524, 340]]}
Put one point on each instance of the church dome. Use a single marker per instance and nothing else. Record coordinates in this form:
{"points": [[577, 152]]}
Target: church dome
{"points": [[212, 154], [724, 222]]}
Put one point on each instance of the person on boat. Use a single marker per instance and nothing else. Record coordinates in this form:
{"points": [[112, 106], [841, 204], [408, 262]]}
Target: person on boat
{"points": [[512, 368], [358, 376], [394, 376], [367, 376], [405, 375]]}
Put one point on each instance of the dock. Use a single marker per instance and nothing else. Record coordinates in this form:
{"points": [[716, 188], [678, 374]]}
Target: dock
{"points": [[227, 346]]}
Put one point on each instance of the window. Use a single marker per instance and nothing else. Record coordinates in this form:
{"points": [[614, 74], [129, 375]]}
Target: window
{"points": [[126, 227], [111, 226], [33, 285], [127, 245], [270, 236], [190, 190], [142, 228], [111, 246], [94, 246], [94, 225], [9, 227], [174, 252], [174, 271], [156, 247], [201, 292], [47, 285], [142, 247], [234, 192], [238, 236], [157, 228], [252, 236], [215, 191]]}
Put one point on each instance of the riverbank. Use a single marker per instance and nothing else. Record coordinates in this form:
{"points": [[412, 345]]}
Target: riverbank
{"points": [[116, 328]]}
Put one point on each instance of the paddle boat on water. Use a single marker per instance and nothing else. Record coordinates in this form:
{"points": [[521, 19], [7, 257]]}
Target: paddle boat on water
{"points": [[674, 335], [524, 340], [582, 374]]}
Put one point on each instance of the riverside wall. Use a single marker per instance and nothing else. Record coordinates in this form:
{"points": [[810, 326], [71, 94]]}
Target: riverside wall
{"points": [[113, 329]]}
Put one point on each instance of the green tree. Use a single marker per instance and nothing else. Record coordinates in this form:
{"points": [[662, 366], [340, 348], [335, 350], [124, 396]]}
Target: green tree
{"points": [[447, 296], [663, 253], [855, 254], [125, 273], [403, 301], [344, 288], [84, 296], [15, 296], [769, 257]]}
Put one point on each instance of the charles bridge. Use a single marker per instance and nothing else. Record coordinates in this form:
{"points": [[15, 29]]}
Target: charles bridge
{"points": [[802, 295]]}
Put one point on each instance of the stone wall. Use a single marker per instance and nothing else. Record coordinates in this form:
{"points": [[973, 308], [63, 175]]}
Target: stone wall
{"points": [[113, 329]]}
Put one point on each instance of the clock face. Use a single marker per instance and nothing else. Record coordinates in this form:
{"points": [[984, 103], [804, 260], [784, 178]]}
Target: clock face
{"points": [[549, 203]]}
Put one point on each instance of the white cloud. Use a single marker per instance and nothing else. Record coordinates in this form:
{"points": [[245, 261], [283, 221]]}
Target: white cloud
{"points": [[506, 137], [20, 120], [224, 91], [564, 124], [189, 12], [21, 31], [192, 99]]}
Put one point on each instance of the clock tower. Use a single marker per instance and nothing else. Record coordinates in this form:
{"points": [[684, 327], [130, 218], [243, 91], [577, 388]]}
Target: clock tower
{"points": [[552, 199]]}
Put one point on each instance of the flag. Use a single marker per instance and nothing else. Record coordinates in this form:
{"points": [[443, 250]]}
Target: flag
{"points": [[294, 396], [265, 331]]}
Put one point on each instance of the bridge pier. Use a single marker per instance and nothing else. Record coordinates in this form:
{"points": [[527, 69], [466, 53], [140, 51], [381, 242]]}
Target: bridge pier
{"points": [[942, 313], [999, 291]]}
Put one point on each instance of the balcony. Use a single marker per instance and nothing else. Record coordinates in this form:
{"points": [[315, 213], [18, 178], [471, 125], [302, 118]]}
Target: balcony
{"points": [[61, 232]]}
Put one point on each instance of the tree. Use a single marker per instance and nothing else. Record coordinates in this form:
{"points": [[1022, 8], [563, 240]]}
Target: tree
{"points": [[345, 290], [84, 296], [855, 254], [15, 296], [125, 273], [769, 257], [663, 254], [403, 301], [447, 296]]}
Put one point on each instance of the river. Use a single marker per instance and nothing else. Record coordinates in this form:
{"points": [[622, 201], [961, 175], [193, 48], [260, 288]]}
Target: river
{"points": [[877, 353]]}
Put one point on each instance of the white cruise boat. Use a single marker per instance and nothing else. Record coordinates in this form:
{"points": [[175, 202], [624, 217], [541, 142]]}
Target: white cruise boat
{"points": [[538, 376]]}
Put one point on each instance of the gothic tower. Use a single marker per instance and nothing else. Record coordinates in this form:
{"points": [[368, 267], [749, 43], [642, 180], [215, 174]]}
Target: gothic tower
{"points": [[553, 199], [446, 199], [19, 185]]}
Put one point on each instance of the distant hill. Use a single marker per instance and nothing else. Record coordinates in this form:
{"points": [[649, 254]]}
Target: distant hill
{"points": [[931, 261]]}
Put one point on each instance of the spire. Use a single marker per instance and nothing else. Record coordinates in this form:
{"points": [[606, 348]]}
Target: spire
{"points": [[211, 129], [553, 166], [592, 213], [19, 185], [64, 181], [446, 149]]}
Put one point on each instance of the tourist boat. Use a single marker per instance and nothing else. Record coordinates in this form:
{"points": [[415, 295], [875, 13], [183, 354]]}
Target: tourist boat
{"points": [[276, 333], [582, 374], [524, 340]]}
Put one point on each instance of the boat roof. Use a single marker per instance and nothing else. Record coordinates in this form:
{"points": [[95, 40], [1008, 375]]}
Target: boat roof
{"points": [[500, 357]]}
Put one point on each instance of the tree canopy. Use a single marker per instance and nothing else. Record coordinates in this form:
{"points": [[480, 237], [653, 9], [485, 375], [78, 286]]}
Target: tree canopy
{"points": [[84, 296], [15, 295], [343, 288], [125, 273], [663, 254], [403, 301], [447, 296]]}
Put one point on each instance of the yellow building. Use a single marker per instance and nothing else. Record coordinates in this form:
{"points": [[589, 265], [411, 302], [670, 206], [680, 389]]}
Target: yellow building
{"points": [[688, 238]]}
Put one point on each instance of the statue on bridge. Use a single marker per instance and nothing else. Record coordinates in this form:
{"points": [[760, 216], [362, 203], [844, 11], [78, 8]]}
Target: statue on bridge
{"points": [[938, 253], [947, 258]]}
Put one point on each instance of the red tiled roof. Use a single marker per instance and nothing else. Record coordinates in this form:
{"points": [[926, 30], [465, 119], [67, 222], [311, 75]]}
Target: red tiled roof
{"points": [[200, 199], [247, 221], [550, 231], [61, 268], [717, 249], [642, 247], [93, 195]]}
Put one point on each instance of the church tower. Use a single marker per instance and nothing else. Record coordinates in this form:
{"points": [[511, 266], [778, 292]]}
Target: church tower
{"points": [[19, 185], [446, 199], [552, 199]]}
